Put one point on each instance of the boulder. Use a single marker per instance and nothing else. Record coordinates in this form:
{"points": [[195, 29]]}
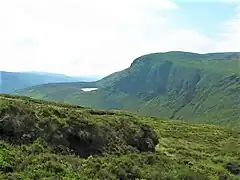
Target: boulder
{"points": [[233, 168]]}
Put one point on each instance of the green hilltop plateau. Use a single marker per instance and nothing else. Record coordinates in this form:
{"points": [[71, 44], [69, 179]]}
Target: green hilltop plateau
{"points": [[199, 88]]}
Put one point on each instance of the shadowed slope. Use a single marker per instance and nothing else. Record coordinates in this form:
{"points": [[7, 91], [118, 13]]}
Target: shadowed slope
{"points": [[177, 85]]}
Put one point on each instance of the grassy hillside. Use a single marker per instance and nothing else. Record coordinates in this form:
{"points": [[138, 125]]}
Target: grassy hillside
{"points": [[177, 85], [12, 81], [42, 139]]}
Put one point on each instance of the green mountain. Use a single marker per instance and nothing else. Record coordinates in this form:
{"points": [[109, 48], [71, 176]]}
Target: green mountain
{"points": [[177, 85], [46, 140], [12, 81]]}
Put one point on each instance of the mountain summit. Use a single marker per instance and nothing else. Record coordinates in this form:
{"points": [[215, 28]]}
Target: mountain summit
{"points": [[176, 85]]}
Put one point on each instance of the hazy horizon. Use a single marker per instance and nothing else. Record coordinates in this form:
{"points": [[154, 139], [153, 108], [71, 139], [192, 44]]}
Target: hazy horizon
{"points": [[97, 38], [100, 76], [52, 73]]}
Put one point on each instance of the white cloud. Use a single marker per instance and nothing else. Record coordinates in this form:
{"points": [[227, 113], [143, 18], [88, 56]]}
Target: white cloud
{"points": [[93, 37], [76, 36], [229, 37]]}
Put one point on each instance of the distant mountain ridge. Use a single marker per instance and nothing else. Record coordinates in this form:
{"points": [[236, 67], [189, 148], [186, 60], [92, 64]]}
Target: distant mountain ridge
{"points": [[83, 77], [12, 81], [177, 85]]}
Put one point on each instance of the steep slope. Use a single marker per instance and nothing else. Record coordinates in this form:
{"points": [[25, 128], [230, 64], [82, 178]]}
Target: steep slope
{"points": [[11, 81], [176, 85], [46, 140]]}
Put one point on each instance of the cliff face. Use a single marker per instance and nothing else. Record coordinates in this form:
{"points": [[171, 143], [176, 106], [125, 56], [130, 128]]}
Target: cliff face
{"points": [[193, 87], [176, 85]]}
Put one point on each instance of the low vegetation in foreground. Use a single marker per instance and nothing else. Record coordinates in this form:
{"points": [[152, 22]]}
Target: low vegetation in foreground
{"points": [[40, 139]]}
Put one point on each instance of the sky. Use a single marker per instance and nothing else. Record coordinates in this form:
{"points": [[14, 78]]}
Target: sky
{"points": [[99, 37]]}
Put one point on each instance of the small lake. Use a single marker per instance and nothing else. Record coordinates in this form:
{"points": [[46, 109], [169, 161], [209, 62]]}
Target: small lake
{"points": [[89, 89]]}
